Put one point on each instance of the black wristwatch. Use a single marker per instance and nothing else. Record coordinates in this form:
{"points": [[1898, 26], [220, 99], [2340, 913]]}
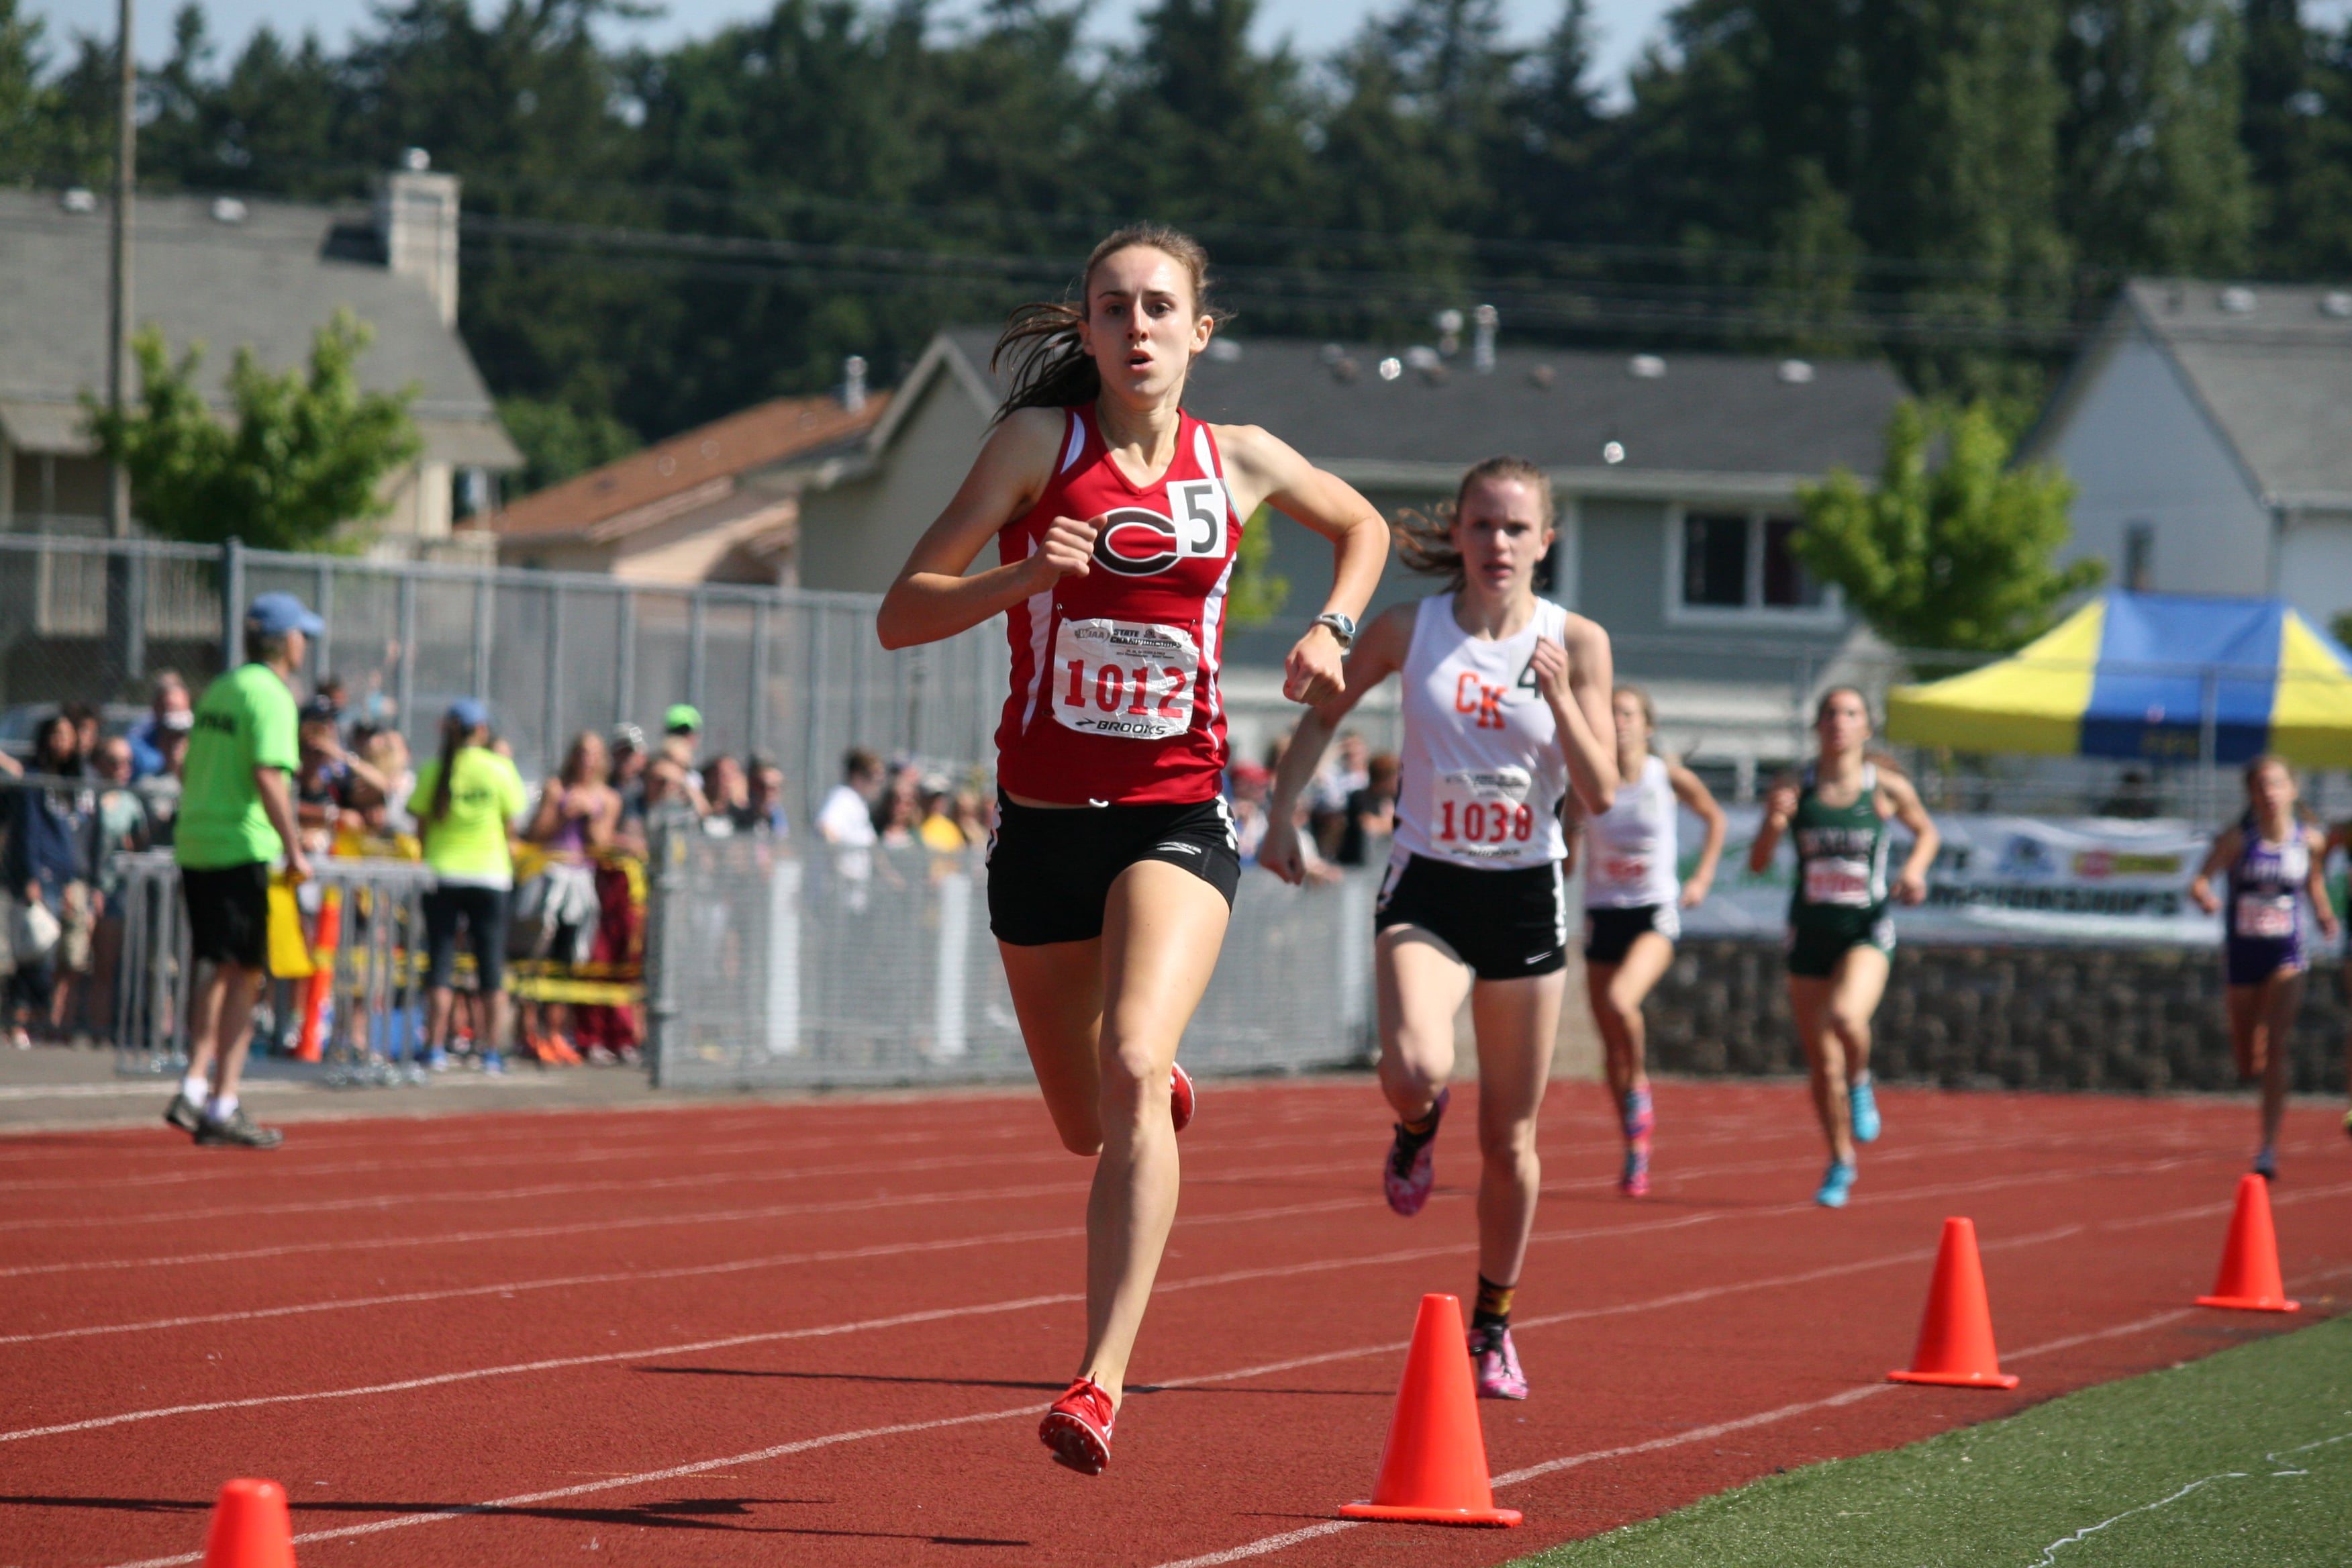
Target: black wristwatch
{"points": [[1343, 627]]}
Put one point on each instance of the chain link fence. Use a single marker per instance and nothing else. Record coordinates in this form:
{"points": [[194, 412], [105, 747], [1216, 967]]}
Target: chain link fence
{"points": [[765, 968], [793, 674]]}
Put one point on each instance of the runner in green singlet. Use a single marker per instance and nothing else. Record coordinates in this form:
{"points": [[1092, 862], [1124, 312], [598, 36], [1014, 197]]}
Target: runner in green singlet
{"points": [[1840, 934]]}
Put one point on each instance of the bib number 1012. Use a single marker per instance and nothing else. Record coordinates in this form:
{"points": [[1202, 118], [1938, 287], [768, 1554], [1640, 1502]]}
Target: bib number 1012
{"points": [[1483, 822], [1139, 692], [1133, 680]]}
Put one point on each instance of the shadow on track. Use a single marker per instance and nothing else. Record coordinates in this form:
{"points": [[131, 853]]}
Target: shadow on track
{"points": [[685, 1513]]}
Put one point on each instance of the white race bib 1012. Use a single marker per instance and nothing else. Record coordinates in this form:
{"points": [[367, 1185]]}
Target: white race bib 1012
{"points": [[2266, 915], [1482, 813], [1128, 679], [1836, 881]]}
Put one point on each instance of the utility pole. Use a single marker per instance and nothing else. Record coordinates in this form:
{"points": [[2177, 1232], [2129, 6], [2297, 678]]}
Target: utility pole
{"points": [[118, 311]]}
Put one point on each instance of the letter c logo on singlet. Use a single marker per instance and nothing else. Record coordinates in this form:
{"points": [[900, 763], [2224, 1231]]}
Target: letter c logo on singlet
{"points": [[1137, 541]]}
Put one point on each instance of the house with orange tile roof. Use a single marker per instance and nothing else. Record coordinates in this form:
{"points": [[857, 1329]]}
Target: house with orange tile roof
{"points": [[716, 504]]}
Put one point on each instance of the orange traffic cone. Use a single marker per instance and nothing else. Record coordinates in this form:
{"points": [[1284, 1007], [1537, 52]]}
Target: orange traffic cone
{"points": [[250, 1527], [1956, 1336], [1434, 1469], [2250, 1266]]}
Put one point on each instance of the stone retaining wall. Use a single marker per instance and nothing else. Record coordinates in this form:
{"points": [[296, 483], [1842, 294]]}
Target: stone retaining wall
{"points": [[2142, 1019]]}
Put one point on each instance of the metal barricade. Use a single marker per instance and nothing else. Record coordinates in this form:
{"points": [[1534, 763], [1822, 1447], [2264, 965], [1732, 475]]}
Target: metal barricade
{"points": [[374, 969], [769, 967]]}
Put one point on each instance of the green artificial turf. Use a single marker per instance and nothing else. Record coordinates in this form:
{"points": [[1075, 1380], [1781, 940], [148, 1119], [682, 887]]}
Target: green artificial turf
{"points": [[2242, 1458]]}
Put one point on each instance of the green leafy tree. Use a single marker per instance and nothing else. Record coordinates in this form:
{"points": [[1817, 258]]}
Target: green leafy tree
{"points": [[1255, 596], [302, 454], [1953, 553]]}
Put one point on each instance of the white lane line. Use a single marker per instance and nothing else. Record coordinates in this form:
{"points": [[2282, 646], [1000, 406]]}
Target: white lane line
{"points": [[644, 1276], [1196, 1282], [602, 1155], [630, 1222]]}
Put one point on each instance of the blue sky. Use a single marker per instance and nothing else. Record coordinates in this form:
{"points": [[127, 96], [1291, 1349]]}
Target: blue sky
{"points": [[1314, 27]]}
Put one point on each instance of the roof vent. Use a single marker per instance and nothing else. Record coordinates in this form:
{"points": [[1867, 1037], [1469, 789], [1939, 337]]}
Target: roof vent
{"points": [[853, 382], [1795, 372], [1541, 376], [1613, 452], [2238, 302], [1646, 367], [228, 209], [1420, 356], [1343, 369], [2336, 303], [1224, 351], [1391, 368], [76, 199], [416, 159]]}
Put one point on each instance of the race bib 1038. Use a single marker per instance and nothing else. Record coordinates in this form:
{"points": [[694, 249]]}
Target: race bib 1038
{"points": [[1128, 679], [1482, 813]]}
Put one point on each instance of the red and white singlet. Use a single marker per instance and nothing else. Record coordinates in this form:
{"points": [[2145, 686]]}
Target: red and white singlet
{"points": [[1483, 773], [1115, 673]]}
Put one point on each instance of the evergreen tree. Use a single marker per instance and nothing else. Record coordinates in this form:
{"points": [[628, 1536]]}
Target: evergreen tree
{"points": [[2152, 175], [1203, 129]]}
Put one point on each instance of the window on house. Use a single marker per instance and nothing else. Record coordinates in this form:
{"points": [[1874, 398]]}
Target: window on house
{"points": [[1787, 585], [2139, 557], [1715, 559]]}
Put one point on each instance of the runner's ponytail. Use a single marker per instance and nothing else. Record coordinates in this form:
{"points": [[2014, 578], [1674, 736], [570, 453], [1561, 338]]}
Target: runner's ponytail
{"points": [[453, 740]]}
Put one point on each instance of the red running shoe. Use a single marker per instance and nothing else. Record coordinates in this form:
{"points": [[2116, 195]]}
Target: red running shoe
{"points": [[1078, 1428], [1180, 1096]]}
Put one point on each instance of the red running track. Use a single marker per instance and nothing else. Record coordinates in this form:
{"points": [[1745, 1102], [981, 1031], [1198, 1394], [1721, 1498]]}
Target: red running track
{"points": [[822, 1334]]}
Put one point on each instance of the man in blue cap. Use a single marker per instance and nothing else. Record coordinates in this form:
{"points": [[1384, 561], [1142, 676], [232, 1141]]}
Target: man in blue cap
{"points": [[237, 816]]}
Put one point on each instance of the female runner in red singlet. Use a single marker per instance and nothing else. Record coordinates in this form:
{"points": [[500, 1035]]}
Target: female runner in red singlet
{"points": [[1117, 516]]}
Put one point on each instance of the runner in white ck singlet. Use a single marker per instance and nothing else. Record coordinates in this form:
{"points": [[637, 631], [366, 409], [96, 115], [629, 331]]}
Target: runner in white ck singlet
{"points": [[1505, 711], [1632, 904]]}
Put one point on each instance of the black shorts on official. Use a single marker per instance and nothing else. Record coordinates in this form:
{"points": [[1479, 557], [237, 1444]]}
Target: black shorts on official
{"points": [[228, 913], [1050, 869], [1609, 933], [1505, 925]]}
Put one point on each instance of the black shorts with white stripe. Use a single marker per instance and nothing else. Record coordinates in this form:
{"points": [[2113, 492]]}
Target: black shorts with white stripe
{"points": [[1505, 924], [1050, 869]]}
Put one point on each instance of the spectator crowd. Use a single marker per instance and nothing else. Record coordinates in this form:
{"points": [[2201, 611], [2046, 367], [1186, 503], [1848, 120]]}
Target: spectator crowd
{"points": [[82, 799]]}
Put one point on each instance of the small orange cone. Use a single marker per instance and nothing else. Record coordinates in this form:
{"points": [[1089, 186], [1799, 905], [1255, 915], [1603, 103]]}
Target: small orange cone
{"points": [[2249, 1279], [1956, 1337], [1434, 1469], [250, 1527]]}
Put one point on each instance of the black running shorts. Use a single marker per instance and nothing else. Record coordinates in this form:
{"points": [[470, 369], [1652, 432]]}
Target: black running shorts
{"points": [[1609, 933], [1505, 925], [228, 913], [1050, 869]]}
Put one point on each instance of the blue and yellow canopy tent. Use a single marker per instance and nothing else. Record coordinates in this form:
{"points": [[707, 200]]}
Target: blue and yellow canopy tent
{"points": [[2153, 678]]}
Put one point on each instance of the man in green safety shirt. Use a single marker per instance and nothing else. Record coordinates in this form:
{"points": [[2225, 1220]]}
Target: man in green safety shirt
{"points": [[236, 817]]}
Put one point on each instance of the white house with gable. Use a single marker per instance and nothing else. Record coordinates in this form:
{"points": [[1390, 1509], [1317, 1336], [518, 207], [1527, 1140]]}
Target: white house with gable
{"points": [[2207, 430]]}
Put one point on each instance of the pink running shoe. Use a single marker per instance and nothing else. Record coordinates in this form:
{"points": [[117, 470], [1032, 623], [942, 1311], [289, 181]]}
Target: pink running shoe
{"points": [[1410, 1169], [1078, 1428], [1180, 1096], [1634, 1181], [1494, 1364]]}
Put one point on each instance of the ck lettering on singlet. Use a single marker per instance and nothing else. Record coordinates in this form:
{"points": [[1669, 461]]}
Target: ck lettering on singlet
{"points": [[1137, 541], [1471, 695]]}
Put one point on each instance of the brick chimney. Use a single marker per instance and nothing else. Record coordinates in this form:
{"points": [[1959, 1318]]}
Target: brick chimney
{"points": [[417, 219]]}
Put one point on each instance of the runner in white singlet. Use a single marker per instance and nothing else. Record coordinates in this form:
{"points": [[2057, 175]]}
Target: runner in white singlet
{"points": [[1632, 905], [1505, 711]]}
